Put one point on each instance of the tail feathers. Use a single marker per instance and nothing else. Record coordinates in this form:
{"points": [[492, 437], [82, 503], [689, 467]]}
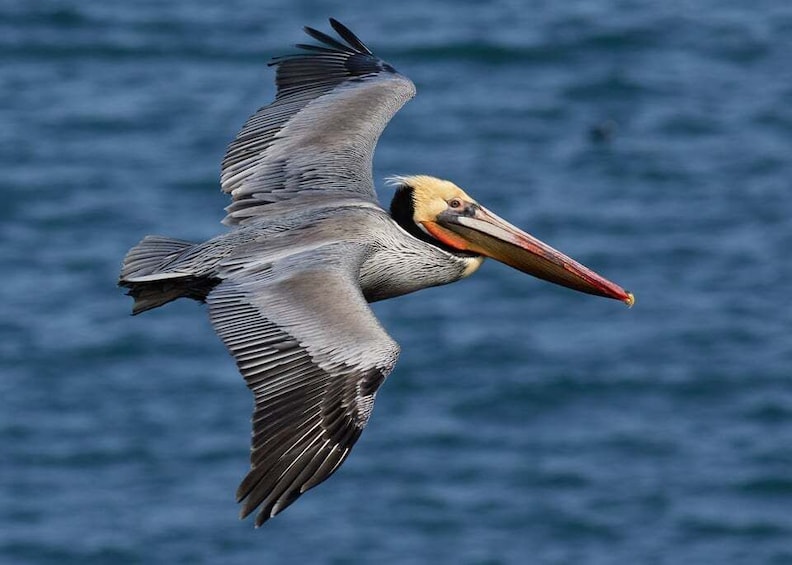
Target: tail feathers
{"points": [[153, 293], [150, 256], [152, 279]]}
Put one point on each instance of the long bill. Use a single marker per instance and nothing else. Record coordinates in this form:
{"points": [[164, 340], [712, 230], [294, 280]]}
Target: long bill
{"points": [[487, 234]]}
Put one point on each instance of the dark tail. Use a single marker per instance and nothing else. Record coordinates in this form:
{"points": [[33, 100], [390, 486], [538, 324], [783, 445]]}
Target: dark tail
{"points": [[152, 277]]}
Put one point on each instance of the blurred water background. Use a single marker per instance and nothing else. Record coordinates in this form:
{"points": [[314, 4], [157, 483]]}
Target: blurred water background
{"points": [[524, 423]]}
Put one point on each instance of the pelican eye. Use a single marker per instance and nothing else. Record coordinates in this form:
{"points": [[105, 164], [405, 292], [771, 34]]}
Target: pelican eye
{"points": [[455, 203]]}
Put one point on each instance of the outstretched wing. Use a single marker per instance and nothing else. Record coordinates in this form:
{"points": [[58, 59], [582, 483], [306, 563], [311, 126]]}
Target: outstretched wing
{"points": [[318, 136], [314, 356]]}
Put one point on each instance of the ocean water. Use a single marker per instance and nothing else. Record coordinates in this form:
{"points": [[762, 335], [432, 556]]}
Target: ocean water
{"points": [[524, 423]]}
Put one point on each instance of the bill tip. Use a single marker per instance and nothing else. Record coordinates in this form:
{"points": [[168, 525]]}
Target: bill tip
{"points": [[630, 300]]}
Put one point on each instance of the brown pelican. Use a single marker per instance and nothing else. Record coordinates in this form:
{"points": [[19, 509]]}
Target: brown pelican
{"points": [[309, 247]]}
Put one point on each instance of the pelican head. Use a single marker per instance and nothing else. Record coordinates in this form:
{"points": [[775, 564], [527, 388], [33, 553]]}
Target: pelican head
{"points": [[440, 212]]}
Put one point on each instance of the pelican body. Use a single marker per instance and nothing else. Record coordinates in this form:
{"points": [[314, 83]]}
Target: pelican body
{"points": [[288, 286]]}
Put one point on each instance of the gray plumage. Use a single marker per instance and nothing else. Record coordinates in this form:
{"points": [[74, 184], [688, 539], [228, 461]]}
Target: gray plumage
{"points": [[309, 246], [318, 136], [287, 287]]}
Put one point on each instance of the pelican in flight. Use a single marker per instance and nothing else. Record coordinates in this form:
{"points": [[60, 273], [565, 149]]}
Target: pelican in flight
{"points": [[288, 286]]}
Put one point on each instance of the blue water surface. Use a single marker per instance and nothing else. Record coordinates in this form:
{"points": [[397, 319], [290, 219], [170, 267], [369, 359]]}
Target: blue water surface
{"points": [[524, 423]]}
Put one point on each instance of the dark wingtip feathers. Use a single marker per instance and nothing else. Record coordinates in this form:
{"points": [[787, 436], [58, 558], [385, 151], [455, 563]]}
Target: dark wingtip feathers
{"points": [[353, 43], [347, 35], [331, 45], [327, 40]]}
